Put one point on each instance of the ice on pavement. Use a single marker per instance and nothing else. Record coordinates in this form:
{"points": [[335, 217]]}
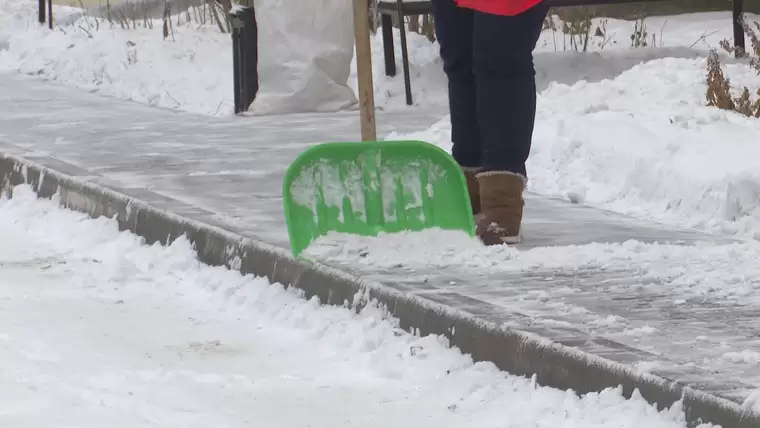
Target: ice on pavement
{"points": [[97, 329]]}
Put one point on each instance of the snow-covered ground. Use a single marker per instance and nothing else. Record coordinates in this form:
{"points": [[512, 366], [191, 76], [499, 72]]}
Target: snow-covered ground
{"points": [[97, 329], [192, 69], [620, 128], [191, 73]]}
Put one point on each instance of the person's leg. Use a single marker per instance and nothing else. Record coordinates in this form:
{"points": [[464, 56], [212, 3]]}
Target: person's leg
{"points": [[506, 106], [453, 27], [506, 85]]}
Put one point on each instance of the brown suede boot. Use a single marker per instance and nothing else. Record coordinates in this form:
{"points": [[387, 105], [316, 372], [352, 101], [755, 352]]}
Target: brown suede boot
{"points": [[470, 175], [501, 201]]}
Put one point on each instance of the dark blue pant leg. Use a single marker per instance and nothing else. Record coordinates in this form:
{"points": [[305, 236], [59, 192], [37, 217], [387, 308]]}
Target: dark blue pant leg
{"points": [[506, 85], [454, 31]]}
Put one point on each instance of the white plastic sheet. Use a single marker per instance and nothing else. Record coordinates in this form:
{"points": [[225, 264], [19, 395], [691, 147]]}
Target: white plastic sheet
{"points": [[305, 53]]}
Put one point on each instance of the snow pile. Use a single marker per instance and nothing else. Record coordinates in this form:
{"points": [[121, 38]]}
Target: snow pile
{"points": [[78, 297], [192, 69], [20, 16], [645, 144], [192, 72]]}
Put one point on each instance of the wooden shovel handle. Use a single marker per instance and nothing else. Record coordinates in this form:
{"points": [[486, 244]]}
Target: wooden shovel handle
{"points": [[364, 70]]}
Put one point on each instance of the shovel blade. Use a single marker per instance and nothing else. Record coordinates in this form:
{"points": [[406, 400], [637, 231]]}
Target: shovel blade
{"points": [[367, 188]]}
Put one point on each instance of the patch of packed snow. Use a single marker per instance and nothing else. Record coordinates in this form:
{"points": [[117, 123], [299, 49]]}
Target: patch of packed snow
{"points": [[97, 329], [745, 356], [706, 271]]}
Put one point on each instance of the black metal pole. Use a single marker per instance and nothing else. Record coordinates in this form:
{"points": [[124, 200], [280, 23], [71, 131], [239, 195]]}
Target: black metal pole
{"points": [[41, 12], [236, 61], [251, 63], [738, 18], [386, 24], [50, 14], [404, 52], [245, 57]]}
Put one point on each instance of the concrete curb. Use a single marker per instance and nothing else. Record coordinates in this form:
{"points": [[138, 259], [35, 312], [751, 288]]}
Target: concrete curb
{"points": [[513, 351]]}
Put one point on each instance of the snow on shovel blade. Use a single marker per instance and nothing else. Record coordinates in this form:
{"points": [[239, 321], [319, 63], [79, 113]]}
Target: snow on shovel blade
{"points": [[368, 188]]}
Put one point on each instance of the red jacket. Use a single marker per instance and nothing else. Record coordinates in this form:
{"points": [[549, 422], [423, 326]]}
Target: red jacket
{"points": [[499, 7]]}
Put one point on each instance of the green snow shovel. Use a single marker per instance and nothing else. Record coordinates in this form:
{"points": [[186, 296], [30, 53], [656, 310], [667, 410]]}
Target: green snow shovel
{"points": [[367, 188], [371, 187]]}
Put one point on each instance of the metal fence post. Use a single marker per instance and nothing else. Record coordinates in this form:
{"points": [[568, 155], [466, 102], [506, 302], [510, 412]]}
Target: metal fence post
{"points": [[244, 57], [44, 15], [738, 17], [41, 12], [50, 14]]}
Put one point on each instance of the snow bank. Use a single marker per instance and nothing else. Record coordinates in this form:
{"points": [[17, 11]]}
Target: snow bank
{"points": [[191, 72], [78, 297], [304, 58], [645, 144]]}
